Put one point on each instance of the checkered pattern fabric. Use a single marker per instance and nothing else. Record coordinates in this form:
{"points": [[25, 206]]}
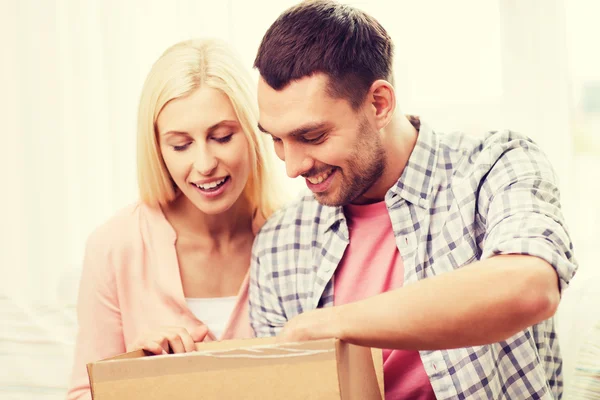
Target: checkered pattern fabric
{"points": [[460, 199]]}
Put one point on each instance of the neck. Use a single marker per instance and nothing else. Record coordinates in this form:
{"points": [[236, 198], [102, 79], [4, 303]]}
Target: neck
{"points": [[189, 222], [398, 139]]}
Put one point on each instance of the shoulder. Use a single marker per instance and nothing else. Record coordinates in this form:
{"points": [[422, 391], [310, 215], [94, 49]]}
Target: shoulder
{"points": [[476, 156], [509, 156], [304, 206], [299, 217], [108, 247], [118, 234], [490, 142]]}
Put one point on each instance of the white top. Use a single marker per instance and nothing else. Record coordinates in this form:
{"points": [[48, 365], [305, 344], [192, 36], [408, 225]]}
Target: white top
{"points": [[213, 311]]}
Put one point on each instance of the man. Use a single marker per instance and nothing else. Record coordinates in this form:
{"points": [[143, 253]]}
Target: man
{"points": [[448, 251]]}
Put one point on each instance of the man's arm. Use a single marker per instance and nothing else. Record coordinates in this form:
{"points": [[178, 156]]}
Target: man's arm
{"points": [[485, 302]]}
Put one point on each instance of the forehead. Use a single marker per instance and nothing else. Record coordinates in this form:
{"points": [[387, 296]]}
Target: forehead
{"points": [[201, 109], [303, 101]]}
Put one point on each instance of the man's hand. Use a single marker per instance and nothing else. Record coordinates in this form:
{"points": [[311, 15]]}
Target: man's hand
{"points": [[323, 323]]}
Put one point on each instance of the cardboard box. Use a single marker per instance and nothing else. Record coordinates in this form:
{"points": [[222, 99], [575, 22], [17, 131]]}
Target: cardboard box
{"points": [[244, 369]]}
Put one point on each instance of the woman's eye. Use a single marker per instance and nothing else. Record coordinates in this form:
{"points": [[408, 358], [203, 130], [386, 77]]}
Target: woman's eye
{"points": [[224, 139], [181, 147], [276, 139]]}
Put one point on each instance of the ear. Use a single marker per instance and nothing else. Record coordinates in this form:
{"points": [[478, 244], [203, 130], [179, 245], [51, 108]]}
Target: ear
{"points": [[383, 102]]}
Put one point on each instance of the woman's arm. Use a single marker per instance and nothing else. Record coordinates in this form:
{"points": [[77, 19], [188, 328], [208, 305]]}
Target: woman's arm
{"points": [[100, 333]]}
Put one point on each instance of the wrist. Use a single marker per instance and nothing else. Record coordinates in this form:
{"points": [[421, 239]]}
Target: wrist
{"points": [[339, 322]]}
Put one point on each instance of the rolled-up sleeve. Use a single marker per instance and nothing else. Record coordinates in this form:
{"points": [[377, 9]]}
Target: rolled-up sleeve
{"points": [[519, 202]]}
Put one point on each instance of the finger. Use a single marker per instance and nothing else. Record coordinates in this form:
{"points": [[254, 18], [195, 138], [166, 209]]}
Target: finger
{"points": [[164, 343], [287, 335], [175, 342], [186, 339], [281, 338], [152, 347], [199, 332]]}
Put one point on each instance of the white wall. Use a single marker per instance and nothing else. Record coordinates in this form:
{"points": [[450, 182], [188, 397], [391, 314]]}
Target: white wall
{"points": [[71, 74]]}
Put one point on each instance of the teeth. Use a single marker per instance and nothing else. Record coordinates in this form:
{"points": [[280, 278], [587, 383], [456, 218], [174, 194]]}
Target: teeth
{"points": [[210, 185], [315, 180]]}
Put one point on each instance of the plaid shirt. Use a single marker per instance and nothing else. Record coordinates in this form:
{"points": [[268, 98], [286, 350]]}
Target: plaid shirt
{"points": [[460, 199]]}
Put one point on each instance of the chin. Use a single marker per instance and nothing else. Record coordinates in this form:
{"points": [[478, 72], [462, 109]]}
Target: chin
{"points": [[212, 207], [216, 208], [329, 200]]}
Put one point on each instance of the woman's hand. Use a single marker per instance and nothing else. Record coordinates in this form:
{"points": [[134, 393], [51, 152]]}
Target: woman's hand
{"points": [[168, 340]]}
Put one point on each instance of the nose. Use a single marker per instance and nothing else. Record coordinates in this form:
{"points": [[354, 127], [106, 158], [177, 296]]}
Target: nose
{"points": [[205, 162], [296, 161]]}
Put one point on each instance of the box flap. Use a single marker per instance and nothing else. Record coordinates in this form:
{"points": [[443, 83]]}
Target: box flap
{"points": [[212, 356], [357, 377], [378, 365]]}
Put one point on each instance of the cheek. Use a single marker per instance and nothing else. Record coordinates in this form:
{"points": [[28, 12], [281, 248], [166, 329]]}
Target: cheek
{"points": [[279, 150], [175, 163], [332, 153], [242, 163], [238, 157]]}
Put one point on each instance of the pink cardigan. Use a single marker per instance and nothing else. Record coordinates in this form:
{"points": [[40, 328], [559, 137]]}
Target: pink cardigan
{"points": [[130, 284]]}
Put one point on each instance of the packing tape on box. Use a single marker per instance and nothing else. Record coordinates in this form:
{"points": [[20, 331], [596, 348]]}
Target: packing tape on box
{"points": [[260, 352]]}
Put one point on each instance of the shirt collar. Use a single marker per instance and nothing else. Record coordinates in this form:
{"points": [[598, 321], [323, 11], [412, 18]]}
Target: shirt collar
{"points": [[415, 183]]}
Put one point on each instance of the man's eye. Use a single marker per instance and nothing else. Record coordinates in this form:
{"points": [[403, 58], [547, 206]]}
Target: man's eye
{"points": [[312, 140], [181, 147]]}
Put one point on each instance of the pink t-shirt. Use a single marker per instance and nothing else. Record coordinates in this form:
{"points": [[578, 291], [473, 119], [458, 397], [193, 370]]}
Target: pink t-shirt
{"points": [[372, 265]]}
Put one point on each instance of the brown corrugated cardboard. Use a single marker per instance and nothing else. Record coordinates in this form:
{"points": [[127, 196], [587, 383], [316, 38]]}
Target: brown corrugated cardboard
{"points": [[244, 369]]}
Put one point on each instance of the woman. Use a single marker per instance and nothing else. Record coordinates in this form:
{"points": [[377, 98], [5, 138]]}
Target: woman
{"points": [[172, 269]]}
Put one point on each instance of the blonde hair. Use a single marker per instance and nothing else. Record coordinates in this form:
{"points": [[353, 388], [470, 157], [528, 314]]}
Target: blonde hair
{"points": [[179, 71]]}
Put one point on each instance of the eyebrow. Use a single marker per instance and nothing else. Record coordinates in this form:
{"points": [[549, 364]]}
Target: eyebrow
{"points": [[214, 127], [303, 130]]}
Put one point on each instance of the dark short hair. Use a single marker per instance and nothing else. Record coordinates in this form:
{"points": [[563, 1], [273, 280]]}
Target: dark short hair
{"points": [[345, 43]]}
